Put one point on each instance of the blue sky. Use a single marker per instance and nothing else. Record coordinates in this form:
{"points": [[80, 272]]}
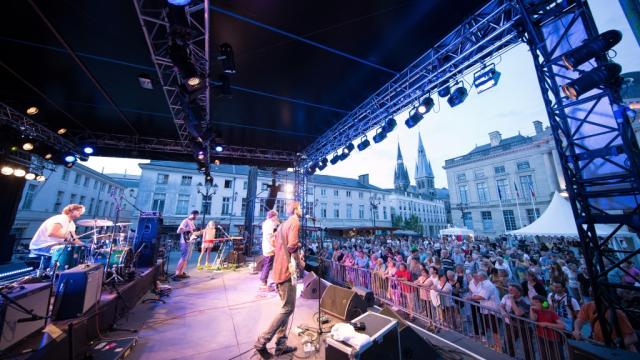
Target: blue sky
{"points": [[510, 108]]}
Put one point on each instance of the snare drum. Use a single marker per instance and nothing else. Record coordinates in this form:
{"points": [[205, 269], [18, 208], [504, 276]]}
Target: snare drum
{"points": [[121, 257], [67, 256]]}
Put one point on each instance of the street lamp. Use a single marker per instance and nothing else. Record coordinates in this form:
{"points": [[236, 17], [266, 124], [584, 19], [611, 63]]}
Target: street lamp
{"points": [[374, 201], [206, 197]]}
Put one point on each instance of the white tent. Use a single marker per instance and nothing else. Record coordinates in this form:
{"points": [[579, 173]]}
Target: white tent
{"points": [[558, 220], [456, 231]]}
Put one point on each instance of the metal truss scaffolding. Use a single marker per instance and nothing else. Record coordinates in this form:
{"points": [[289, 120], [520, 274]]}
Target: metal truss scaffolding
{"points": [[596, 146], [300, 194]]}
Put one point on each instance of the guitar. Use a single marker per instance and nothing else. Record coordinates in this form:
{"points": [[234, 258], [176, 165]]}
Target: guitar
{"points": [[189, 236]]}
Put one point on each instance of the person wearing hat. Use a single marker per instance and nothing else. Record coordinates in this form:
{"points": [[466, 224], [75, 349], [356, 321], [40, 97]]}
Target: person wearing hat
{"points": [[269, 227]]}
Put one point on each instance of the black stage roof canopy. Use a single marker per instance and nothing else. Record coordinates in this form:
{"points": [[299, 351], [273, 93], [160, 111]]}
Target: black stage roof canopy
{"points": [[286, 93]]}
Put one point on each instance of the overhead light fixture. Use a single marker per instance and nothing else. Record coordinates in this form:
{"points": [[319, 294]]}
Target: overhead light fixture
{"points": [[145, 81], [61, 131], [591, 48], [389, 125], [19, 172], [444, 90], [323, 163], [179, 55], [13, 148], [348, 149], [364, 144], [6, 170], [27, 146], [602, 75], [219, 148], [311, 169], [69, 165], [70, 158], [486, 78], [426, 105], [87, 150], [30, 176], [194, 81], [413, 119], [201, 155], [41, 178], [48, 156], [334, 160], [32, 110], [179, 2], [458, 95], [379, 136], [225, 55]]}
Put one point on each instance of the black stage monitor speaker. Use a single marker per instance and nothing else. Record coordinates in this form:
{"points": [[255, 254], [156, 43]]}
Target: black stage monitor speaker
{"points": [[342, 303], [367, 295], [77, 291], [582, 350], [412, 345], [384, 341], [16, 325], [314, 286], [147, 239]]}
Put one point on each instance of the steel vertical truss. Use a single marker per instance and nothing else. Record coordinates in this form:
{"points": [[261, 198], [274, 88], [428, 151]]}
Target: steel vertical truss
{"points": [[300, 194], [155, 26], [596, 145], [481, 38]]}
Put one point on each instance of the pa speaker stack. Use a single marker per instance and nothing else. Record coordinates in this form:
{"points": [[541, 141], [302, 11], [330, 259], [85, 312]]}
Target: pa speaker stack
{"points": [[345, 304], [314, 286], [147, 239]]}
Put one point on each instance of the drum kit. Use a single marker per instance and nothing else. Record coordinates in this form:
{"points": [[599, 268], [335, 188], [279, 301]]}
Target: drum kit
{"points": [[110, 244]]}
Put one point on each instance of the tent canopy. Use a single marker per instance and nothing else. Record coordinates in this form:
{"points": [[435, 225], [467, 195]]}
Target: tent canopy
{"points": [[558, 220], [405, 232], [456, 231]]}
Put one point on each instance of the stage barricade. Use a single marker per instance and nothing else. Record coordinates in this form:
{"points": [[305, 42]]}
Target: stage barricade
{"points": [[518, 337]]}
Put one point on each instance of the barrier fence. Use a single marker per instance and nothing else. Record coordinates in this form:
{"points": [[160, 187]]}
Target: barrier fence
{"points": [[515, 336]]}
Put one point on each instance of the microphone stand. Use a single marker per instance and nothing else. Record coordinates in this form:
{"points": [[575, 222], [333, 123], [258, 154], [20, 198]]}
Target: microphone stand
{"points": [[224, 244], [115, 277]]}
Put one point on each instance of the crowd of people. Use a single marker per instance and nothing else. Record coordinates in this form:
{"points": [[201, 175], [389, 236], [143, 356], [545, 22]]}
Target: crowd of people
{"points": [[544, 281]]}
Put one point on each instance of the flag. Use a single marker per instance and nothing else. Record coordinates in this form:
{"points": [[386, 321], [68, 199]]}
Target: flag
{"points": [[517, 192], [499, 193], [533, 193]]}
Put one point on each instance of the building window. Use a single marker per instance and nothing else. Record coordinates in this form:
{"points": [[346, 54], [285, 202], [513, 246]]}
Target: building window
{"points": [[503, 189], [78, 179], [82, 200], [349, 211], [263, 208], [323, 210], [98, 207], [509, 220], [479, 174], [244, 185], [93, 201], [182, 206], [226, 205], [348, 192], [102, 186], [86, 181], [464, 194], [243, 207], [483, 192], [65, 174], [487, 221], [28, 197], [111, 210], [361, 212], [56, 205], [280, 206], [336, 192], [360, 195], [522, 165], [526, 186], [336, 210], [461, 177], [323, 192], [95, 184], [499, 170], [308, 210], [384, 212], [227, 184], [186, 181], [265, 187], [158, 201], [72, 198], [162, 179], [467, 220], [530, 215]]}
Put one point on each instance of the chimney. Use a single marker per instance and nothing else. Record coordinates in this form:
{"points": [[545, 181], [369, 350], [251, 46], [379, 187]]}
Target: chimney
{"points": [[363, 179], [538, 126], [495, 138]]}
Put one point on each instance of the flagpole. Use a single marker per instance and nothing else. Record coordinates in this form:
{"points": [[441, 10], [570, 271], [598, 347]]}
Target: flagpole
{"points": [[518, 205], [533, 205], [504, 223]]}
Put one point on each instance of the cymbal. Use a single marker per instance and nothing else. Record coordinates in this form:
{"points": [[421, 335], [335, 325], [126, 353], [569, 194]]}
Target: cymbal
{"points": [[94, 222], [123, 224]]}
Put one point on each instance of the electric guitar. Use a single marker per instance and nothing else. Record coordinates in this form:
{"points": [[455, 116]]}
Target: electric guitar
{"points": [[190, 236]]}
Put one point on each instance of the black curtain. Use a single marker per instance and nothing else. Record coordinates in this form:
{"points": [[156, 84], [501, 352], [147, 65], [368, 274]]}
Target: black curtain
{"points": [[10, 196]]}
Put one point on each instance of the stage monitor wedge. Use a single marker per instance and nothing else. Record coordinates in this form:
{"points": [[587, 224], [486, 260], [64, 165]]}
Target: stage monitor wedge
{"points": [[345, 304]]}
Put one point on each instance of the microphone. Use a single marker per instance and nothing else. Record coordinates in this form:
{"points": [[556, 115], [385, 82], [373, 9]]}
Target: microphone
{"points": [[30, 319]]}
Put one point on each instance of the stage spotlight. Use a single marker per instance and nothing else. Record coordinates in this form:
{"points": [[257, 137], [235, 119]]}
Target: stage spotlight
{"points": [[348, 149], [69, 165], [379, 136], [48, 156], [181, 59], [334, 160], [219, 148], [208, 179], [145, 81], [323, 163], [19, 172], [41, 178], [311, 169], [601, 75], [225, 55], [7, 170], [179, 2], [32, 110], [389, 125], [13, 148], [201, 155], [30, 176], [426, 105], [592, 48], [87, 150], [444, 89], [364, 144], [27, 146], [486, 78], [413, 119], [61, 131], [70, 158], [458, 95]]}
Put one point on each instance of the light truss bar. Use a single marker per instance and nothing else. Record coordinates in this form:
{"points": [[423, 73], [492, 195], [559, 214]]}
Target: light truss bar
{"points": [[481, 38]]}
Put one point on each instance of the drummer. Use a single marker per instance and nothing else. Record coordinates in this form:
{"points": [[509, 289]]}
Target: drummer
{"points": [[56, 230]]}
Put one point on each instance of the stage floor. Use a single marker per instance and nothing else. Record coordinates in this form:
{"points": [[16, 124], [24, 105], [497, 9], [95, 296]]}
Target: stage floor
{"points": [[218, 315]]}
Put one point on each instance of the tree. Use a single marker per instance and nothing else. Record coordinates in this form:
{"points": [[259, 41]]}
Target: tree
{"points": [[397, 221], [413, 223]]}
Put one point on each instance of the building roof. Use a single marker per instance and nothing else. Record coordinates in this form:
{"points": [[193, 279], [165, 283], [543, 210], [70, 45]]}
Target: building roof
{"points": [[126, 180], [487, 149]]}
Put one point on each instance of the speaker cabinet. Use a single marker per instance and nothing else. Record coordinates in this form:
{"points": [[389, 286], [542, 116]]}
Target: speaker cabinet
{"points": [[16, 325], [313, 287], [582, 350], [345, 304], [384, 341], [147, 239], [77, 291], [367, 295], [412, 345]]}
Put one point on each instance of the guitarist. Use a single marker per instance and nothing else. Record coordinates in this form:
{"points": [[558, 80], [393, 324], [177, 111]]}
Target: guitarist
{"points": [[286, 246], [186, 228]]}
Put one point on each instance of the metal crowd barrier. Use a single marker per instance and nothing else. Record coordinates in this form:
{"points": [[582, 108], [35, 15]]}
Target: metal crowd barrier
{"points": [[515, 336]]}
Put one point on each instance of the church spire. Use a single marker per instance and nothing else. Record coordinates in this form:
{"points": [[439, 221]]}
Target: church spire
{"points": [[401, 175], [424, 172]]}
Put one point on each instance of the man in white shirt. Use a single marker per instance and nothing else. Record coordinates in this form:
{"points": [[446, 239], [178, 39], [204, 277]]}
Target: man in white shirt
{"points": [[186, 228], [55, 231], [269, 227], [502, 265], [488, 296], [563, 304]]}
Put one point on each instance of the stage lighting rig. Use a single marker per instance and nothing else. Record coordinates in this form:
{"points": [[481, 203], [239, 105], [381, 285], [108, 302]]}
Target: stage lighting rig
{"points": [[444, 90], [458, 95], [606, 74], [323, 163], [414, 118], [389, 125], [364, 143], [486, 78], [379, 136], [334, 160], [592, 48], [32, 110], [426, 105]]}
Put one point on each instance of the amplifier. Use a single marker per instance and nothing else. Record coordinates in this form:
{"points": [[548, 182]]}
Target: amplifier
{"points": [[385, 342], [16, 325], [77, 291]]}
